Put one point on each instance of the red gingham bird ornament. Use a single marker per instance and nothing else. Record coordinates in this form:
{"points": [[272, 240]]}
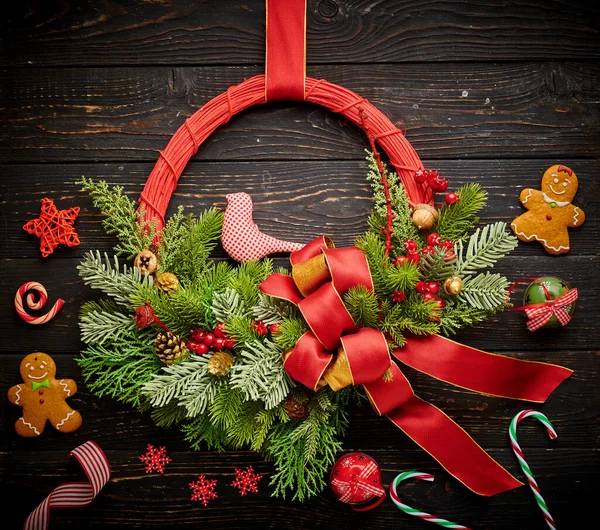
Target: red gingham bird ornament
{"points": [[242, 239]]}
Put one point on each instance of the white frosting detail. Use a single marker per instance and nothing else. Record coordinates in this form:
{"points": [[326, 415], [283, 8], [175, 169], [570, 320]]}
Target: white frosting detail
{"points": [[59, 425], [556, 192], [64, 385], [575, 217], [534, 236], [30, 426], [17, 396], [527, 198], [40, 377], [558, 203]]}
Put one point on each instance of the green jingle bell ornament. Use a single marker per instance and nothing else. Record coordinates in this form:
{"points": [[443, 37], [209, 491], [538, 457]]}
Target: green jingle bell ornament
{"points": [[541, 293]]}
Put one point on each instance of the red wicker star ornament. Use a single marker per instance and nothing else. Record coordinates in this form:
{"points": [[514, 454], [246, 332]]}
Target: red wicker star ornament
{"points": [[54, 227]]}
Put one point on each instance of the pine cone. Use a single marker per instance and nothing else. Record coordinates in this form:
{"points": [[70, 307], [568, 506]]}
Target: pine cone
{"points": [[220, 363], [296, 410], [167, 282], [170, 348]]}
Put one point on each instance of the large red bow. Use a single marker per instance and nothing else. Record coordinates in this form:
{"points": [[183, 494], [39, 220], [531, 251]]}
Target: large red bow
{"points": [[540, 314], [338, 353]]}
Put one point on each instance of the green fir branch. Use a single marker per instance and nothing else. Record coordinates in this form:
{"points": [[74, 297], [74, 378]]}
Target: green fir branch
{"points": [[487, 292], [486, 246], [100, 326], [200, 431], [105, 275], [457, 219], [247, 277], [374, 250], [121, 217], [362, 306], [403, 278], [436, 267], [273, 310], [260, 374], [120, 370], [168, 415], [290, 332], [458, 316], [227, 304]]}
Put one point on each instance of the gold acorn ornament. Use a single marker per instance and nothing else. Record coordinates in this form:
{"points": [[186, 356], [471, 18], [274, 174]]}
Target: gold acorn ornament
{"points": [[166, 282], [170, 348], [453, 285], [424, 216], [220, 363], [146, 260]]}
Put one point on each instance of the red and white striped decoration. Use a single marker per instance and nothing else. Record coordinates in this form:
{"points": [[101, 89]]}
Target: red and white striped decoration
{"points": [[74, 494], [32, 304], [512, 433], [540, 315]]}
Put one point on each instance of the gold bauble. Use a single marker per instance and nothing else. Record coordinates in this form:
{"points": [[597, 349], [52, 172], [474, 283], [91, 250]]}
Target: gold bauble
{"points": [[146, 261], [167, 282], [424, 216], [453, 285], [220, 363]]}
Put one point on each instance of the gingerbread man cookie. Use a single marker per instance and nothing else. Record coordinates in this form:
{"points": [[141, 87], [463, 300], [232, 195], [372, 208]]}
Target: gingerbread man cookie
{"points": [[43, 397], [550, 211]]}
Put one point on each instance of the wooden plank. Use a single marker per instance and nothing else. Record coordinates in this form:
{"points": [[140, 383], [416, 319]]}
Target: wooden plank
{"points": [[521, 110], [334, 201], [571, 408], [296, 200], [134, 499], [358, 31]]}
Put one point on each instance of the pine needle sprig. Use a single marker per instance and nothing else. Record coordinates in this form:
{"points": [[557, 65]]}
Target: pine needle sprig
{"points": [[436, 267], [459, 316], [273, 311], [456, 220], [107, 276], [290, 332], [99, 326], [487, 292], [403, 278], [486, 246], [121, 217], [362, 306], [168, 415], [201, 431]]}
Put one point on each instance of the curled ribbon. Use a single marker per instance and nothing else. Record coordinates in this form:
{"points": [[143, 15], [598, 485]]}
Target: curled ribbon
{"points": [[338, 353], [362, 481], [539, 315]]}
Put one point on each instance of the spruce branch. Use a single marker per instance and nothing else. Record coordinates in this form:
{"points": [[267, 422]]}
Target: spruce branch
{"points": [[273, 311], [373, 248], [200, 430], [458, 316], [436, 267], [457, 219], [362, 306], [168, 415], [403, 278], [486, 246], [487, 292], [227, 304], [121, 217], [106, 276], [260, 374], [290, 332], [100, 326]]}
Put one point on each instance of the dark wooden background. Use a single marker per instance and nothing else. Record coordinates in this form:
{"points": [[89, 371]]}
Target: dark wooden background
{"points": [[492, 91]]}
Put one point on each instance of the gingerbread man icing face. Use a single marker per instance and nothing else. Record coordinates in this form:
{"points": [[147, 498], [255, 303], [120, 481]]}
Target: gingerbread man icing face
{"points": [[559, 183], [37, 367]]}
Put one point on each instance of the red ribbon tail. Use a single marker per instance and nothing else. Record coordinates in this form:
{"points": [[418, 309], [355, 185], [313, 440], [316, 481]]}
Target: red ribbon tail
{"points": [[437, 434], [452, 447], [482, 372]]}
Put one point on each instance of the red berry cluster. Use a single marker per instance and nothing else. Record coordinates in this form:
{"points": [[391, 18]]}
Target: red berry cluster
{"points": [[435, 183], [261, 329], [429, 291], [203, 341]]}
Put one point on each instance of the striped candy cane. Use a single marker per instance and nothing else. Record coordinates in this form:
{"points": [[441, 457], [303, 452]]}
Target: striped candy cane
{"points": [[31, 304], [74, 494], [412, 511], [512, 432]]}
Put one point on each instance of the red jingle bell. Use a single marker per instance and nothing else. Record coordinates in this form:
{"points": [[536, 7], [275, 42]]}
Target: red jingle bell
{"points": [[356, 480]]}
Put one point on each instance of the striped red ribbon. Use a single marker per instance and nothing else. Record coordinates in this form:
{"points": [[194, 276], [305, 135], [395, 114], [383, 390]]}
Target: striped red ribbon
{"points": [[363, 481], [74, 494]]}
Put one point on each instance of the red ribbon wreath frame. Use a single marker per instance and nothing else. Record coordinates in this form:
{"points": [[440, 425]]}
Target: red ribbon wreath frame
{"points": [[366, 349]]}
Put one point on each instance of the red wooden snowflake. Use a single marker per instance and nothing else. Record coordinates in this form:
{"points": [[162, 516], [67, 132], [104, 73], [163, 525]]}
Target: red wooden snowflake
{"points": [[203, 490], [155, 459], [54, 227], [246, 480]]}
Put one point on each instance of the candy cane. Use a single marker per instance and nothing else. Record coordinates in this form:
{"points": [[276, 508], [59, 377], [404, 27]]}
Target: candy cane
{"points": [[512, 432], [32, 304], [418, 513]]}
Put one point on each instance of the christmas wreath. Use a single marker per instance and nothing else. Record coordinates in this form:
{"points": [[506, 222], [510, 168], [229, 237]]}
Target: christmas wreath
{"points": [[246, 355]]}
